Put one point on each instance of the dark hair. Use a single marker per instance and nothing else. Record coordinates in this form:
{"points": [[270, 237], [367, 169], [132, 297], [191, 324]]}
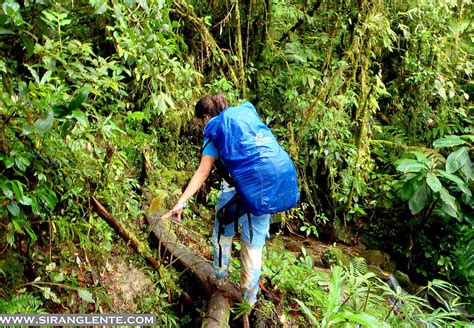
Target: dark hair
{"points": [[210, 105]]}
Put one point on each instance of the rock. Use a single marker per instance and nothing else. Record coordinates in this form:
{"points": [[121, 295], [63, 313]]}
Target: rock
{"points": [[389, 266], [343, 233], [336, 256], [381, 274], [294, 246], [402, 279], [375, 257]]}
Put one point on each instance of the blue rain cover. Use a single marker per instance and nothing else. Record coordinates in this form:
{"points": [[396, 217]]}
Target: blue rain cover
{"points": [[262, 171]]}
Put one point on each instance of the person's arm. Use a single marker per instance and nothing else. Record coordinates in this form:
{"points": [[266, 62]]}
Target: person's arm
{"points": [[201, 174]]}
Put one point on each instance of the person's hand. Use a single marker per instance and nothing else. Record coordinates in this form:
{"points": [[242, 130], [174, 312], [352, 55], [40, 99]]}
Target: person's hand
{"points": [[177, 211]]}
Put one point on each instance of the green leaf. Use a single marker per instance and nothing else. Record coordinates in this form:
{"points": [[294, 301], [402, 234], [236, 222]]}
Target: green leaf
{"points": [[421, 157], [448, 141], [25, 201], [60, 111], [449, 201], [449, 210], [85, 295], [307, 312], [467, 170], [12, 10], [80, 117], [100, 6], [433, 182], [46, 77], [22, 162], [77, 101], [27, 130], [4, 31], [33, 73], [48, 197], [409, 165], [129, 3], [419, 199], [43, 125], [458, 181], [35, 206], [13, 208], [7, 191], [29, 46], [30, 232], [67, 127], [9, 162], [17, 189], [366, 320], [457, 159], [49, 16]]}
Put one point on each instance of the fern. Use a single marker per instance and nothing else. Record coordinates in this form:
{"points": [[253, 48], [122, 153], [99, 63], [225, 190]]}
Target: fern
{"points": [[359, 265], [22, 304]]}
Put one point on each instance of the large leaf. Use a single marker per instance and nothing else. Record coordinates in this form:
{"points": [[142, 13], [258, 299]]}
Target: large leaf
{"points": [[433, 182], [409, 165], [22, 162], [13, 208], [7, 189], [308, 312], [366, 320], [48, 197], [458, 181], [60, 111], [335, 290], [80, 117], [421, 157], [85, 295], [457, 159], [44, 124], [12, 10], [77, 101], [67, 126], [4, 31], [448, 141], [449, 202], [419, 199], [467, 170], [158, 202], [409, 188], [29, 46]]}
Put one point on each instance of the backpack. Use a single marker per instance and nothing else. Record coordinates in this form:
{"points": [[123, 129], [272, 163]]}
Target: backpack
{"points": [[263, 174]]}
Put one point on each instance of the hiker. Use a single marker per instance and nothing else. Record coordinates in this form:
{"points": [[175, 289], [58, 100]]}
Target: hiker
{"points": [[235, 209]]}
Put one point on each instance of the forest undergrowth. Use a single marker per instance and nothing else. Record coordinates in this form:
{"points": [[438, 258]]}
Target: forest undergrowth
{"points": [[371, 99]]}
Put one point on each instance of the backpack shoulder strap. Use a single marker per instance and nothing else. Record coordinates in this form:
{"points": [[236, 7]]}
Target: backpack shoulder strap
{"points": [[220, 167]]}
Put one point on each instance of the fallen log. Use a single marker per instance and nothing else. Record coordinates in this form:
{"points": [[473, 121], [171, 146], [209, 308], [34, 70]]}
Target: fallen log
{"points": [[185, 259], [218, 312], [221, 296], [126, 235]]}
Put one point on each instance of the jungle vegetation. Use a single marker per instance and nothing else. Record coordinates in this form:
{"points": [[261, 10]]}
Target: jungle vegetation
{"points": [[372, 99]]}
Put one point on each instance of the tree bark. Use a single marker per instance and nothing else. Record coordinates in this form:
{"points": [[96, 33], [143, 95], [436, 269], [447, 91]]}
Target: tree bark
{"points": [[218, 312], [238, 41], [187, 12], [126, 235], [221, 297], [184, 259]]}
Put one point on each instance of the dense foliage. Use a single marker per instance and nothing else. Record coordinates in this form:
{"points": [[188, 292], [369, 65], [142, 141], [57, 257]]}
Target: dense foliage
{"points": [[372, 99]]}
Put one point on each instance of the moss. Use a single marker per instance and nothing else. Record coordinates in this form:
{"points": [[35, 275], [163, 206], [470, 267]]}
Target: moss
{"points": [[335, 255]]}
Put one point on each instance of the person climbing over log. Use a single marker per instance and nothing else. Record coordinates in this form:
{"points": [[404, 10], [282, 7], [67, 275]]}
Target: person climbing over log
{"points": [[259, 179]]}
